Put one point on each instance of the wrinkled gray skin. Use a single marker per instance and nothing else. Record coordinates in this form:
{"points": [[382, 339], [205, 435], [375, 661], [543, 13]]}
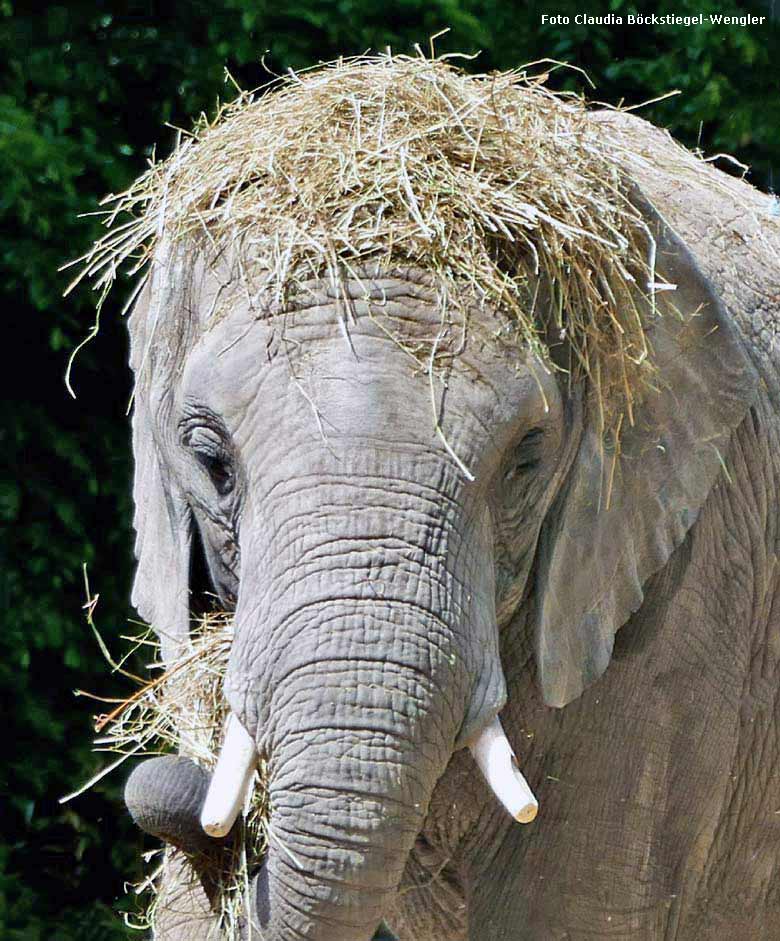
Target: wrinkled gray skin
{"points": [[387, 608]]}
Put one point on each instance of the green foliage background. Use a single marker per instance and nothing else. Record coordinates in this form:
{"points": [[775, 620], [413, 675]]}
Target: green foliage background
{"points": [[85, 90]]}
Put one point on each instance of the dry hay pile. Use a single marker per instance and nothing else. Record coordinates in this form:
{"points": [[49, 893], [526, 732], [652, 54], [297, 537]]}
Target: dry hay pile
{"points": [[182, 710], [484, 180]]}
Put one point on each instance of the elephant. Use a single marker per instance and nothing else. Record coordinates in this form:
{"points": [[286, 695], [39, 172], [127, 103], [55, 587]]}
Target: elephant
{"points": [[405, 581]]}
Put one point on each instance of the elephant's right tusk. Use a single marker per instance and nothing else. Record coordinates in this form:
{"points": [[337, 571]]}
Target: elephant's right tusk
{"points": [[231, 780], [496, 760]]}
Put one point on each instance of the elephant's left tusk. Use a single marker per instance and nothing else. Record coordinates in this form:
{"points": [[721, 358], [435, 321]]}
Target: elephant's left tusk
{"points": [[231, 780], [496, 760]]}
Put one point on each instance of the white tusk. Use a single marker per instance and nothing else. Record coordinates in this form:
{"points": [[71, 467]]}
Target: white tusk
{"points": [[231, 780], [496, 760]]}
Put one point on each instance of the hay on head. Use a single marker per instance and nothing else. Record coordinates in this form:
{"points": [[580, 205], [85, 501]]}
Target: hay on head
{"points": [[490, 182]]}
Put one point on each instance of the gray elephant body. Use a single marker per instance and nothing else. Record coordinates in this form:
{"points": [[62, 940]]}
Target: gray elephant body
{"points": [[387, 607], [659, 785]]}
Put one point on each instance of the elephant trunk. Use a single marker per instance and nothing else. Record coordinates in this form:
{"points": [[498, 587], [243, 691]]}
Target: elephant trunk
{"points": [[347, 804], [360, 657]]}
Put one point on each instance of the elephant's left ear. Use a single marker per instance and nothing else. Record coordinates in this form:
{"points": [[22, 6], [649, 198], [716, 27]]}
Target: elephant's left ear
{"points": [[597, 551]]}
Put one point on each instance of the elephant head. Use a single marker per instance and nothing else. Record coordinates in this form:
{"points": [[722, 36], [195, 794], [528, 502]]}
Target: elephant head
{"points": [[375, 527]]}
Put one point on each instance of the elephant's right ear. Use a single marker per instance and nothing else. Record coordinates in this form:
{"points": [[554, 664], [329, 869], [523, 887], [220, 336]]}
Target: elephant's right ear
{"points": [[162, 518]]}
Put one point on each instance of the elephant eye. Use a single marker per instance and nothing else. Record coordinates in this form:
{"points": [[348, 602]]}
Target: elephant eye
{"points": [[526, 455], [209, 449], [219, 471]]}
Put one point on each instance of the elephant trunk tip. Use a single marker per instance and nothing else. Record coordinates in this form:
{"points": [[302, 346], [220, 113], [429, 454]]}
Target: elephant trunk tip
{"points": [[164, 795]]}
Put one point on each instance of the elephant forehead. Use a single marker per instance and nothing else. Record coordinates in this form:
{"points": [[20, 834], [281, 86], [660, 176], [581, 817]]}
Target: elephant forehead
{"points": [[367, 357]]}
